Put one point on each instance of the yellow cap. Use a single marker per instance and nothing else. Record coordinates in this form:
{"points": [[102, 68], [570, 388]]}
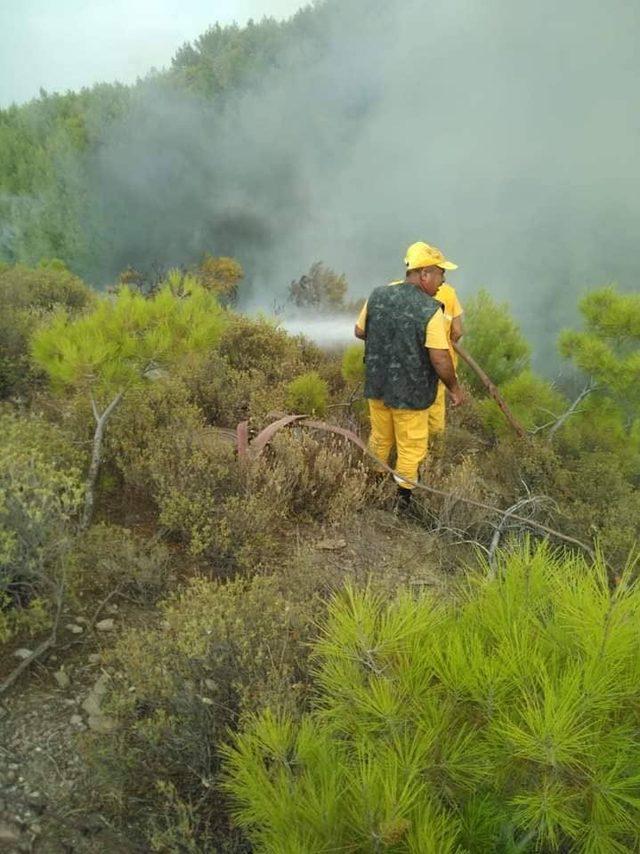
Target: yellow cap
{"points": [[422, 255]]}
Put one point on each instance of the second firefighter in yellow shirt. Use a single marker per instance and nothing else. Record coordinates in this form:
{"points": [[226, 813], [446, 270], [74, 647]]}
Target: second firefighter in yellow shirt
{"points": [[453, 326]]}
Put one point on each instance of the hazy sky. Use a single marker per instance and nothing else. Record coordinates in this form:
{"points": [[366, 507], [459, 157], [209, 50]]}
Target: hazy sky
{"points": [[67, 44]]}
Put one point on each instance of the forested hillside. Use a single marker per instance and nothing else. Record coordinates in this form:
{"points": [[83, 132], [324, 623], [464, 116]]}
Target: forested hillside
{"points": [[282, 144], [217, 632]]}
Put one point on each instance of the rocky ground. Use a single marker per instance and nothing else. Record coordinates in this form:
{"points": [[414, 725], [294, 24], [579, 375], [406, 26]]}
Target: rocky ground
{"points": [[41, 768]]}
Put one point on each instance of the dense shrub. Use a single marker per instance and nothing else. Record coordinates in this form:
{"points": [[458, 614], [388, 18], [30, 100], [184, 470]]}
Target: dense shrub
{"points": [[600, 424], [308, 394], [114, 560], [219, 651], [246, 376], [28, 297], [506, 722], [40, 494], [149, 415], [597, 500]]}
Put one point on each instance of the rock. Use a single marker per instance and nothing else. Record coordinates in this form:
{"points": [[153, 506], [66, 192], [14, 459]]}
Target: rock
{"points": [[92, 704], [76, 720], [112, 609], [74, 628], [23, 653], [101, 723], [62, 678], [105, 625], [8, 835], [331, 545]]}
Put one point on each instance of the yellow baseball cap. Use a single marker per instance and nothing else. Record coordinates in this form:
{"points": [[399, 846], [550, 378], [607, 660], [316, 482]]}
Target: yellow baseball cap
{"points": [[422, 255]]}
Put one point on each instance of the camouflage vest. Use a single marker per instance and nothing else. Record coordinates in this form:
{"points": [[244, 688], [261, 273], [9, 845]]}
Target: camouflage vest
{"points": [[397, 365]]}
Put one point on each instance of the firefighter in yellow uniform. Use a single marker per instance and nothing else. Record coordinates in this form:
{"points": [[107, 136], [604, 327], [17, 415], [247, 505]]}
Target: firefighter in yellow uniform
{"points": [[406, 353], [453, 324]]}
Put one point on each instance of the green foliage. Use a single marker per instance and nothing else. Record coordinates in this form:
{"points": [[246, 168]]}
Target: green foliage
{"points": [[608, 349], [246, 376], [601, 425], [532, 399], [308, 394], [505, 722], [40, 494], [353, 364], [28, 298], [494, 340], [126, 337]]}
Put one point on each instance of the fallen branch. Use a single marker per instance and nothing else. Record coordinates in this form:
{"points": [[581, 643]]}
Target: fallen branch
{"points": [[38, 651], [491, 388], [495, 540]]}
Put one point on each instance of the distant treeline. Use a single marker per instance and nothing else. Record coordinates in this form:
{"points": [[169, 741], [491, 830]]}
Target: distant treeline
{"points": [[48, 207]]}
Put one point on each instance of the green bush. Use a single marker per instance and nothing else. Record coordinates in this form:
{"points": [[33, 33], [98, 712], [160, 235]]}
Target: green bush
{"points": [[308, 394], [28, 297], [353, 364], [246, 377], [532, 399], [494, 340], [40, 495], [505, 722]]}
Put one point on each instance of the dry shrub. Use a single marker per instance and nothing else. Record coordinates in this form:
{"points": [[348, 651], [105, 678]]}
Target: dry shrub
{"points": [[228, 513], [247, 376], [325, 477], [146, 419], [220, 651], [452, 514], [108, 559]]}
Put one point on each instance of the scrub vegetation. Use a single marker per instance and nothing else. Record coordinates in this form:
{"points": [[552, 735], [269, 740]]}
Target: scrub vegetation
{"points": [[300, 669], [285, 664]]}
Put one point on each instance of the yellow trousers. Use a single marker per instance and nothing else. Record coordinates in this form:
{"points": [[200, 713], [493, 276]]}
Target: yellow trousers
{"points": [[407, 429], [437, 412]]}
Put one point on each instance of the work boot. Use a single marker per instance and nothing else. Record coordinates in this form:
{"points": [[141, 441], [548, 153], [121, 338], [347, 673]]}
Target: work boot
{"points": [[404, 502]]}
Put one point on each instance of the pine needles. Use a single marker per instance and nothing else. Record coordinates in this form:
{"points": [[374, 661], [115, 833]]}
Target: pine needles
{"points": [[506, 722]]}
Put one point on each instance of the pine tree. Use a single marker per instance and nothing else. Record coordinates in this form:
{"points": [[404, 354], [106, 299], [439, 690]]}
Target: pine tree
{"points": [[608, 349], [503, 722], [123, 342]]}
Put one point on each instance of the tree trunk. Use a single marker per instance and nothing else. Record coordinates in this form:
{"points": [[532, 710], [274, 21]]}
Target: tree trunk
{"points": [[96, 458]]}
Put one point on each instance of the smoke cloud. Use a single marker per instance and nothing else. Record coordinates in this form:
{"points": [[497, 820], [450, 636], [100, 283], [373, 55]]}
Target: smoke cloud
{"points": [[505, 133]]}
